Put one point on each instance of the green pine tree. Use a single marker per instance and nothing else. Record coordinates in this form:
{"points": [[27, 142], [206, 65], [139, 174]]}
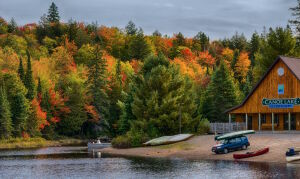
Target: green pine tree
{"points": [[29, 82], [53, 14], [138, 46], [221, 94], [21, 70], [97, 86], [161, 96], [19, 105], [5, 115], [39, 87]]}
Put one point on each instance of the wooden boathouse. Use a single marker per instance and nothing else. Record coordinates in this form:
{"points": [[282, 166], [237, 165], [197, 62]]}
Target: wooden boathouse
{"points": [[274, 103]]}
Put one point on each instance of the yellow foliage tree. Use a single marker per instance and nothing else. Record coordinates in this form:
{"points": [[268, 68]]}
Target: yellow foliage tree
{"points": [[242, 65]]}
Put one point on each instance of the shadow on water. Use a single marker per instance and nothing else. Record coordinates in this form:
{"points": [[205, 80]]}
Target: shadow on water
{"points": [[70, 162]]}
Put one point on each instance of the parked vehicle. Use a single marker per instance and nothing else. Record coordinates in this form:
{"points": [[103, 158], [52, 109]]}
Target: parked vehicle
{"points": [[231, 144]]}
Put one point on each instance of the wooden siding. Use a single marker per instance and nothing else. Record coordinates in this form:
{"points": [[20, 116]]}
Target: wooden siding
{"points": [[268, 88]]}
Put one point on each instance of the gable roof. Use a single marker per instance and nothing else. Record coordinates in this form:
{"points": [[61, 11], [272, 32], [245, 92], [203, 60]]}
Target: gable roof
{"points": [[292, 63]]}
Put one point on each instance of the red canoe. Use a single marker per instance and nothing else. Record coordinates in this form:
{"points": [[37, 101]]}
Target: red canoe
{"points": [[251, 154]]}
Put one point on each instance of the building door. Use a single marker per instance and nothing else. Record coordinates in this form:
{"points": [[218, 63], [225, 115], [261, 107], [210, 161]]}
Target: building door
{"points": [[249, 122], [286, 121]]}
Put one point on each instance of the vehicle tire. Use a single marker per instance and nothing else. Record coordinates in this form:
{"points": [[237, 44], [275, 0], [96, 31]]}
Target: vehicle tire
{"points": [[244, 147], [225, 151]]}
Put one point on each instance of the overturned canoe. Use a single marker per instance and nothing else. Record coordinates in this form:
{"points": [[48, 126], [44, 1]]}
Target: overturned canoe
{"points": [[293, 158], [251, 154], [234, 134], [168, 139]]}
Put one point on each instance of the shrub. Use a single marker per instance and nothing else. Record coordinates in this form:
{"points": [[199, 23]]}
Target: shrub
{"points": [[137, 138], [133, 138], [203, 127], [121, 142]]}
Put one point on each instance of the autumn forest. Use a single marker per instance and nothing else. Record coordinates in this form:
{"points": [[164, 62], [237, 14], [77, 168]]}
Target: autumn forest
{"points": [[88, 80]]}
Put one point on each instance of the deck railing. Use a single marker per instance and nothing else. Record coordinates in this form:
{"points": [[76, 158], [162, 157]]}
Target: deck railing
{"points": [[221, 128]]}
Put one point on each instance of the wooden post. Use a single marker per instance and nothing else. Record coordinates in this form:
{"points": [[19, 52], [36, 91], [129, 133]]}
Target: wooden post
{"points": [[259, 121], [246, 121], [229, 122], [289, 121], [272, 122]]}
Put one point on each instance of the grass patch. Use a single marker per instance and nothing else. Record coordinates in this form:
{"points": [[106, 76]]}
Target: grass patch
{"points": [[21, 143]]}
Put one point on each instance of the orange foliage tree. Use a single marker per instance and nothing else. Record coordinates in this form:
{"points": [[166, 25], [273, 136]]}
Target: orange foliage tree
{"points": [[227, 56], [206, 59], [242, 65]]}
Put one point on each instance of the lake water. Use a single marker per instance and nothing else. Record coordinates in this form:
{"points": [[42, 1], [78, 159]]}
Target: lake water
{"points": [[76, 162]]}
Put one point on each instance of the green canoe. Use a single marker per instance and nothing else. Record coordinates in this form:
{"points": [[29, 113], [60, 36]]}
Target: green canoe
{"points": [[234, 134], [168, 139]]}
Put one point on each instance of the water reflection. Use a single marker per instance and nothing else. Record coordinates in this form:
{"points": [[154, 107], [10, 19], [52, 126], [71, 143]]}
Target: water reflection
{"points": [[78, 163]]}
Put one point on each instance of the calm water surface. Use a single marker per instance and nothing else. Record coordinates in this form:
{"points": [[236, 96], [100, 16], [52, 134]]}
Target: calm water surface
{"points": [[76, 162]]}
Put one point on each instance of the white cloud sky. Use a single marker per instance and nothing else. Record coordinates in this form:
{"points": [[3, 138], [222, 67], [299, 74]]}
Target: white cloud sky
{"points": [[217, 18]]}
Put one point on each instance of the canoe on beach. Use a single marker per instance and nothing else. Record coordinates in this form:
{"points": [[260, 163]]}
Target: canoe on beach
{"points": [[251, 154], [234, 134], [293, 158], [168, 139]]}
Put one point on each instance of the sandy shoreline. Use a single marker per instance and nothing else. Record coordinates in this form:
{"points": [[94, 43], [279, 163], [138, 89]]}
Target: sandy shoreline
{"points": [[199, 148]]}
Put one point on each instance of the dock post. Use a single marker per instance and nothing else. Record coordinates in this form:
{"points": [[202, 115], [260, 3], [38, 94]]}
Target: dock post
{"points": [[259, 121], [289, 121], [272, 122]]}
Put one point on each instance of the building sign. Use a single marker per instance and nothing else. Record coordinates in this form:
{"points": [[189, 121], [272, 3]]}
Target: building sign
{"points": [[280, 89], [281, 103]]}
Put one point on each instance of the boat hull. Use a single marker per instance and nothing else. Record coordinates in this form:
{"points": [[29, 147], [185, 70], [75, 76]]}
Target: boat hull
{"points": [[234, 134], [252, 154], [293, 158], [92, 146], [168, 139]]}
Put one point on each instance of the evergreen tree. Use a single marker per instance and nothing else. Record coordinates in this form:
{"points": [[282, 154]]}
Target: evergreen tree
{"points": [[115, 94], [202, 41], [12, 26], [126, 113], [5, 115], [221, 94], [39, 87], [161, 95], [53, 14], [238, 42], [138, 46], [254, 47], [19, 105], [130, 28], [21, 70], [97, 87], [277, 42], [296, 21], [29, 82], [180, 40]]}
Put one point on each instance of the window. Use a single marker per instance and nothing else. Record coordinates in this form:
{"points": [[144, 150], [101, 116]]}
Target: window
{"points": [[263, 118], [232, 141], [238, 140]]}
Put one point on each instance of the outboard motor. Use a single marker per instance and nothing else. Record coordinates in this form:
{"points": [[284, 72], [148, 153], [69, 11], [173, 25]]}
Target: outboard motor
{"points": [[290, 152]]}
